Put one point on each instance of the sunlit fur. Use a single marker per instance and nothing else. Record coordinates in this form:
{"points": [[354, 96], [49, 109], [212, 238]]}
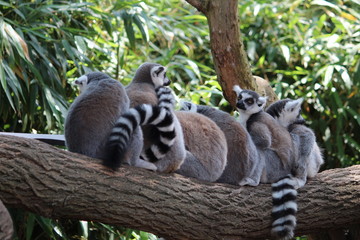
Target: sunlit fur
{"points": [[287, 111], [248, 103]]}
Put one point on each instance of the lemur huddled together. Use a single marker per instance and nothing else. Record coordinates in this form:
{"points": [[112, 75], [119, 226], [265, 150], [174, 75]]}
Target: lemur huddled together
{"points": [[138, 125]]}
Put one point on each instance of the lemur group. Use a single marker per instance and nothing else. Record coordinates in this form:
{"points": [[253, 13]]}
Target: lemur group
{"points": [[138, 125]]}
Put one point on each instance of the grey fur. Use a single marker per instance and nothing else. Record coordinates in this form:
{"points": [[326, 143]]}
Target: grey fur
{"points": [[141, 90], [206, 147], [144, 114], [92, 116], [243, 160], [309, 154], [277, 150], [205, 158]]}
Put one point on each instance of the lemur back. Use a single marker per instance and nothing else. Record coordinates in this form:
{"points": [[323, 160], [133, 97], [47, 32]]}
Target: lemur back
{"points": [[150, 76], [206, 144], [244, 166], [100, 124], [199, 134], [93, 114]]}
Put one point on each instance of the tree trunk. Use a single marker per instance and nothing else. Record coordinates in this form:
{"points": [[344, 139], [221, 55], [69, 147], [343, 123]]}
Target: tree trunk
{"points": [[60, 184], [228, 51]]}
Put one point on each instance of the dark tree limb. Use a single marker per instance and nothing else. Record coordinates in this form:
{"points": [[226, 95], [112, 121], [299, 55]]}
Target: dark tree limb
{"points": [[59, 184], [230, 58]]}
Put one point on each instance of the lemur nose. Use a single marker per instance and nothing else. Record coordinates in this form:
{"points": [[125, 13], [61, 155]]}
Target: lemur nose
{"points": [[240, 105], [166, 82]]}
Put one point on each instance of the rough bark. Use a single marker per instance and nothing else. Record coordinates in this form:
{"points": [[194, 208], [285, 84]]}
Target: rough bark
{"points": [[59, 184], [228, 51]]}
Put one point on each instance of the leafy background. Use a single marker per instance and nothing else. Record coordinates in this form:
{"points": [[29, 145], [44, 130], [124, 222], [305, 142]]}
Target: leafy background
{"points": [[306, 49]]}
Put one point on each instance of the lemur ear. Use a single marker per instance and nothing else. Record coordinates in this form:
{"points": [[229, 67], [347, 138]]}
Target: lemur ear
{"points": [[293, 104], [261, 101], [237, 89], [81, 80]]}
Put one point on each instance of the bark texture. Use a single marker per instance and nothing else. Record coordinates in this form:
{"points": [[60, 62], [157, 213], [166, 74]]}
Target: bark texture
{"points": [[59, 184], [228, 51]]}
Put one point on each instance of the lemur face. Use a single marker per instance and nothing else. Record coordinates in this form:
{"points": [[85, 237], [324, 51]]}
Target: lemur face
{"points": [[248, 102], [158, 76], [291, 113], [83, 81], [287, 111]]}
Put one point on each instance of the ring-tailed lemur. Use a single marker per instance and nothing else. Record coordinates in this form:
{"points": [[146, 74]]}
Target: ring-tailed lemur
{"points": [[100, 117], [275, 145], [141, 90], [288, 113], [243, 160], [206, 149]]}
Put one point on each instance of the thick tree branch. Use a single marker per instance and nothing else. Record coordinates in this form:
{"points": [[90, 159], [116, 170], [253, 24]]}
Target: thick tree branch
{"points": [[59, 184]]}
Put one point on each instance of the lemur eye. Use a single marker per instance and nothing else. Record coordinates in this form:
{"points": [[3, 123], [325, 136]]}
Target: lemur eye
{"points": [[249, 101], [239, 97], [159, 70]]}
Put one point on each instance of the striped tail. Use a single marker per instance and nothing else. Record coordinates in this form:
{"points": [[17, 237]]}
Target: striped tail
{"points": [[165, 97], [122, 132], [284, 208], [161, 146]]}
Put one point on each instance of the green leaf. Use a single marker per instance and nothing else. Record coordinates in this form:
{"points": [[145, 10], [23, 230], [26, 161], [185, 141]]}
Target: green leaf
{"points": [[140, 25], [286, 52], [326, 4], [328, 75], [344, 75]]}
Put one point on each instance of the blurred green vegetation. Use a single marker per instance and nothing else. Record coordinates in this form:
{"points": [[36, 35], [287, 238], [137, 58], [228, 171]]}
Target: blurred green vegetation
{"points": [[306, 49]]}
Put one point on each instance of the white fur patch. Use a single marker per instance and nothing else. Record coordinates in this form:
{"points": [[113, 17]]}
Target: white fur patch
{"points": [[293, 104], [81, 82], [188, 106], [168, 128], [148, 112], [167, 141], [158, 79], [237, 89], [160, 117], [282, 181]]}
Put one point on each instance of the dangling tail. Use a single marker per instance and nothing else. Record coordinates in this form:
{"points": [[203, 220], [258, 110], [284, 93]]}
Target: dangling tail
{"points": [[284, 208], [122, 132]]}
